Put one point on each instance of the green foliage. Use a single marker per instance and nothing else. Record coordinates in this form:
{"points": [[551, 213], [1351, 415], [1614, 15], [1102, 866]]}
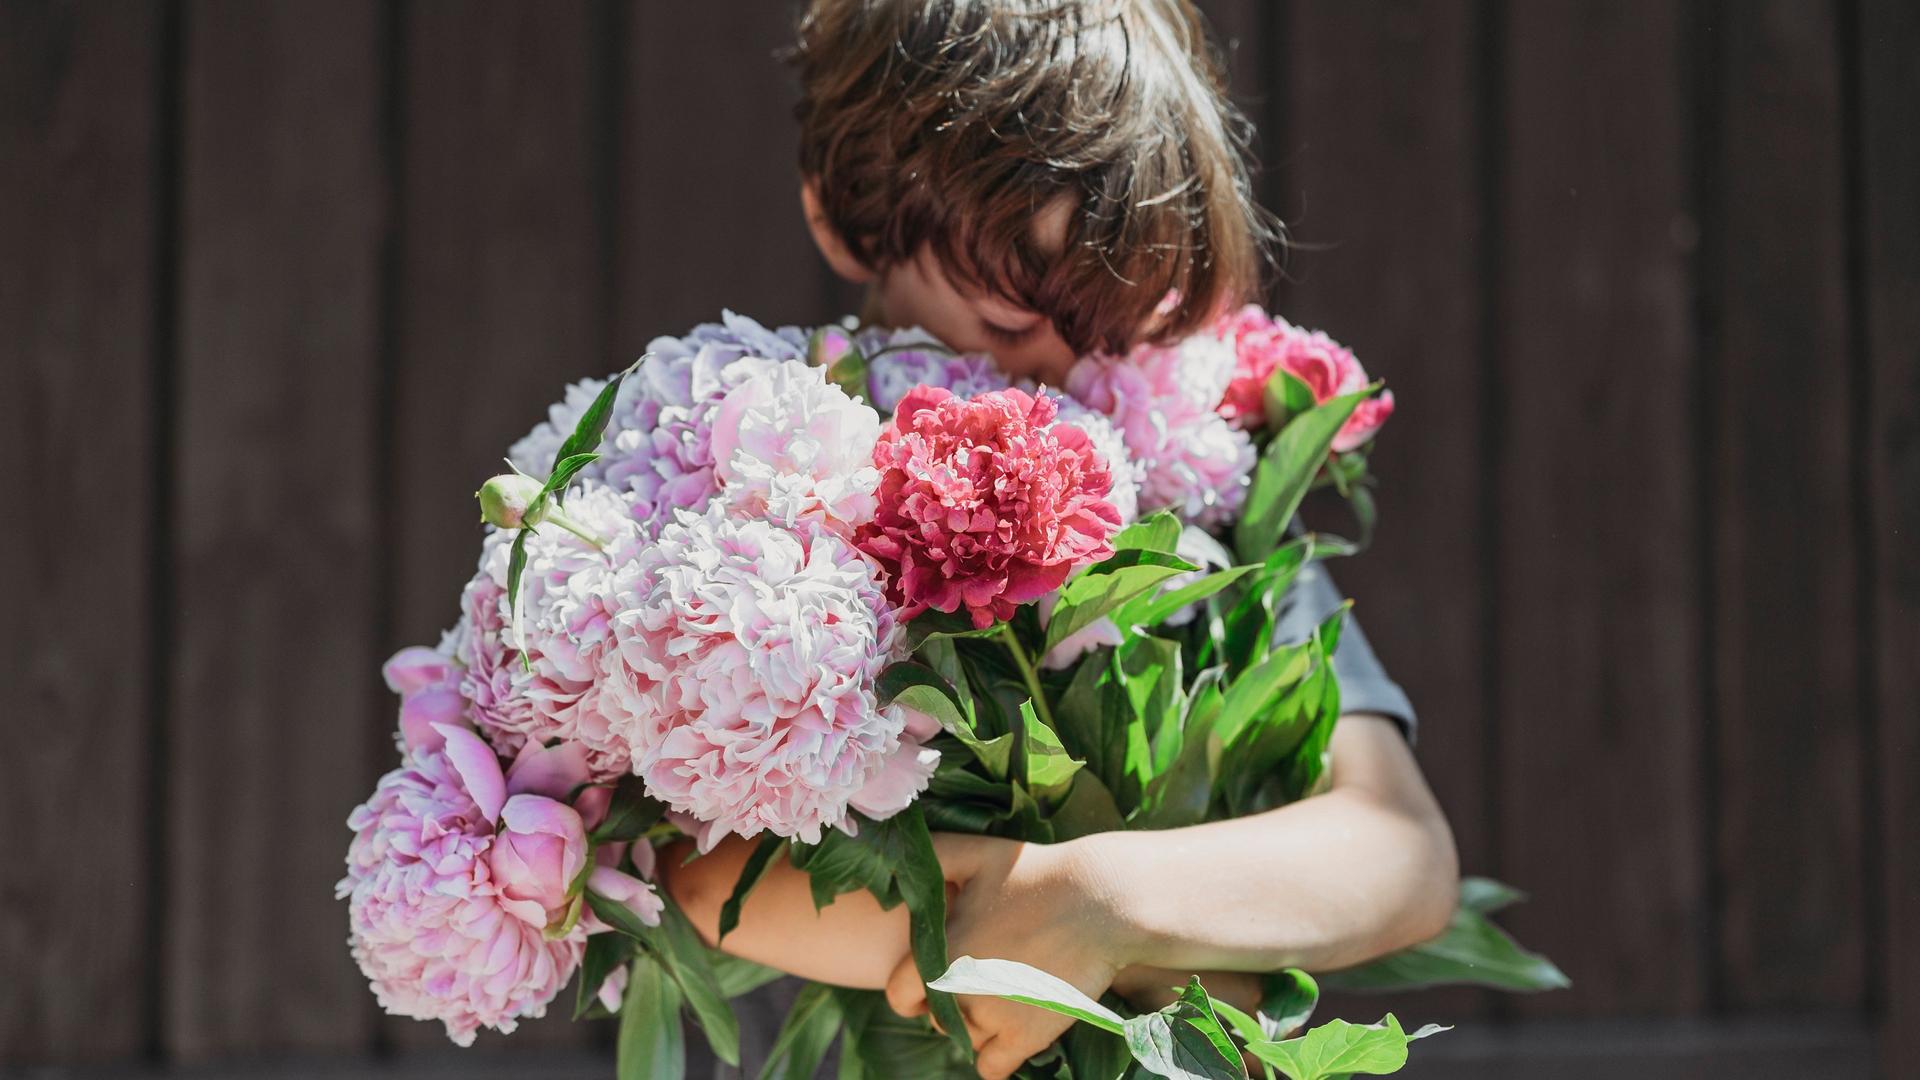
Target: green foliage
{"points": [[678, 950], [1471, 951], [1286, 470], [630, 814], [804, 1036], [652, 1044], [1337, 1049], [750, 875]]}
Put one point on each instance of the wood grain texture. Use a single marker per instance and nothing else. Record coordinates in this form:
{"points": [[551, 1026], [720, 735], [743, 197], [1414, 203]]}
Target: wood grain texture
{"points": [[707, 163], [1382, 98], [283, 212], [1786, 676], [1599, 687], [501, 299], [78, 154], [1889, 228]]}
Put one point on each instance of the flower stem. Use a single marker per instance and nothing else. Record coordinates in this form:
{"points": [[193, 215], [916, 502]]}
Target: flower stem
{"points": [[1032, 678], [554, 515]]}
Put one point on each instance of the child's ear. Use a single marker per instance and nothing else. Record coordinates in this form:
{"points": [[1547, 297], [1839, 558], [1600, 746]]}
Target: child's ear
{"points": [[832, 246]]}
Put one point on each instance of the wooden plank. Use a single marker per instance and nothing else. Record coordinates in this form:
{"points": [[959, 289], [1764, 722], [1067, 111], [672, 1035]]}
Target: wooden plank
{"points": [[78, 153], [1599, 686], [1385, 166], [501, 298], [1785, 676], [284, 207], [1889, 228], [708, 204]]}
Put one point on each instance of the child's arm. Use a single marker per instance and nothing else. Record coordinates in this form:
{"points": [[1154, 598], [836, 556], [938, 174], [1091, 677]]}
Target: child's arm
{"points": [[1330, 881]]}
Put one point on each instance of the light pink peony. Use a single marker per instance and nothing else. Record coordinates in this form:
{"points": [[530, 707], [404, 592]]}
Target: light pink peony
{"points": [[565, 620], [428, 682], [743, 677], [985, 503], [1263, 345], [431, 928], [791, 446], [1162, 400]]}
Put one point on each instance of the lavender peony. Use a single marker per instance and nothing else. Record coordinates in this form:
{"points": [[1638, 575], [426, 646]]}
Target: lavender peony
{"points": [[743, 675], [899, 360]]}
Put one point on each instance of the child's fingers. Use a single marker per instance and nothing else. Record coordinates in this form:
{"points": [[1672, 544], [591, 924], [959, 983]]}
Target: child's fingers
{"points": [[1002, 1055], [906, 994]]}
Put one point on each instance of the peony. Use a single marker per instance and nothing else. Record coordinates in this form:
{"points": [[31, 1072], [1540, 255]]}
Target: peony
{"points": [[554, 693], [985, 503], [430, 925], [899, 360], [533, 454], [1190, 459], [742, 681], [1263, 345], [428, 682], [1127, 475], [790, 445]]}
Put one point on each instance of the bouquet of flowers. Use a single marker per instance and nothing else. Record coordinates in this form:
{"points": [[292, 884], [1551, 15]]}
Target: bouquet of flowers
{"points": [[839, 589]]}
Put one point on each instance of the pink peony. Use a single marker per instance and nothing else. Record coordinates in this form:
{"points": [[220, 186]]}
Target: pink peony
{"points": [[984, 504], [1162, 401], [789, 445], [743, 676], [431, 928], [428, 682], [1263, 345], [554, 694]]}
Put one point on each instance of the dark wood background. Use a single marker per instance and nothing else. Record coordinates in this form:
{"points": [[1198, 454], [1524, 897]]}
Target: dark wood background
{"points": [[279, 281]]}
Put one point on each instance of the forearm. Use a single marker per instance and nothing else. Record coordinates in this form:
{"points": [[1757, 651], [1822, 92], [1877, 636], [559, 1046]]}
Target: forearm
{"points": [[1327, 882], [850, 942]]}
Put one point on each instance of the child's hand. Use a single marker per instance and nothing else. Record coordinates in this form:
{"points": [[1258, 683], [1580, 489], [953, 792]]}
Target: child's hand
{"points": [[1048, 905]]}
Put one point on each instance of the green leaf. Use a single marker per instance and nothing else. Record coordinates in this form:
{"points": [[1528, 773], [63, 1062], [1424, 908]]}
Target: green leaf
{"points": [[1471, 951], [932, 625], [883, 1045], [630, 814], [592, 424], [1286, 470], [1027, 985], [1338, 1049], [1184, 1041], [737, 976], [1084, 599], [1049, 768], [923, 689], [1288, 998], [679, 949], [804, 1036], [1250, 695], [924, 887], [1158, 531], [1094, 1053], [1487, 896], [1151, 610], [1286, 397], [605, 953], [652, 1044], [1088, 808], [516, 566], [750, 874], [563, 473]]}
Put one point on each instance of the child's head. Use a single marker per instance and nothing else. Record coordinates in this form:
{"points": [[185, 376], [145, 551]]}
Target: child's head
{"points": [[1027, 177]]}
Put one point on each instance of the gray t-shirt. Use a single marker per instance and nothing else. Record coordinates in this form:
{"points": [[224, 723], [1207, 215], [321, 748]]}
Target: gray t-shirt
{"points": [[1364, 687]]}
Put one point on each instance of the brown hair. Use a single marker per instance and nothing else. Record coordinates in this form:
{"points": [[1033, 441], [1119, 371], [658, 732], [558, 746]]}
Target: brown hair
{"points": [[950, 123]]}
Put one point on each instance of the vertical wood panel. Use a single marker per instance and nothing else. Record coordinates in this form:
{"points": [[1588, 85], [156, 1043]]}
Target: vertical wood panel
{"points": [[501, 294], [1786, 652], [1889, 59], [709, 190], [1597, 665], [283, 211], [78, 154], [1382, 101]]}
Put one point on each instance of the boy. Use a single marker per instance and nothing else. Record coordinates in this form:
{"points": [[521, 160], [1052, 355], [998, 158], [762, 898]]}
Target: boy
{"points": [[1029, 179]]}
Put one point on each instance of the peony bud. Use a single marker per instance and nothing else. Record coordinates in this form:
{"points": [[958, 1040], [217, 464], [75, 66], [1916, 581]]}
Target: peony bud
{"points": [[540, 848], [504, 500]]}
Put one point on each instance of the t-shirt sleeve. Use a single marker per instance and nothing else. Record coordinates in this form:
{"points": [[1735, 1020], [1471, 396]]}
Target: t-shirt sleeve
{"points": [[1365, 685]]}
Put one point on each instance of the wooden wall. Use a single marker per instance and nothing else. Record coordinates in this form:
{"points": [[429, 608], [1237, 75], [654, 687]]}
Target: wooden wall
{"points": [[279, 280]]}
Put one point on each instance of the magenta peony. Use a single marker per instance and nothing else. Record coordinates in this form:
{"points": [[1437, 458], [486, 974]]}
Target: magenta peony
{"points": [[554, 693], [1263, 345], [431, 928], [1162, 401], [985, 503], [743, 676], [791, 446]]}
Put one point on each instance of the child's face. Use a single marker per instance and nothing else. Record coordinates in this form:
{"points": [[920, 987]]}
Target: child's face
{"points": [[921, 293]]}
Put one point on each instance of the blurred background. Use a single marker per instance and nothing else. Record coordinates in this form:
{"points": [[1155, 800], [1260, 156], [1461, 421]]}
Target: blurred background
{"points": [[280, 281]]}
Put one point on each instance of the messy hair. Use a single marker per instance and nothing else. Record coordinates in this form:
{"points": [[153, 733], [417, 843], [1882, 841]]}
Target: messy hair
{"points": [[948, 125]]}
